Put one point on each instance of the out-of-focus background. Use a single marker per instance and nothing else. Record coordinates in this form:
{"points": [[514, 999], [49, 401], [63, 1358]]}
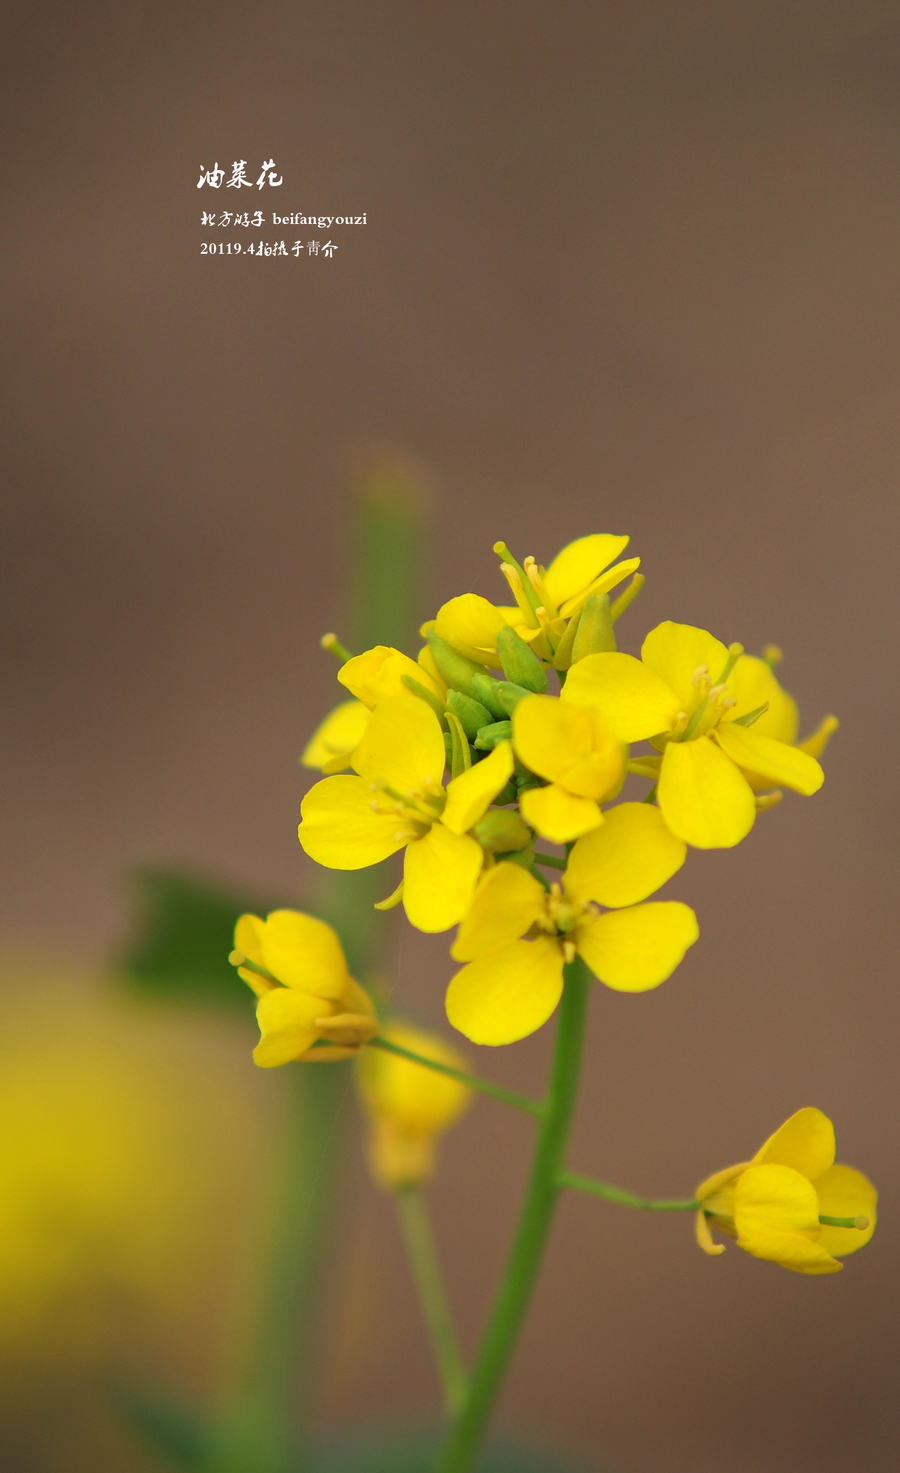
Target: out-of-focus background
{"points": [[625, 268]]}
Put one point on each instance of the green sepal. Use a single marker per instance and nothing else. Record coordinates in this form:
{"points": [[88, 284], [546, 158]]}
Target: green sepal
{"points": [[500, 832], [520, 663], [489, 736], [562, 657], [471, 713], [454, 667], [426, 695], [595, 635], [752, 716], [461, 753]]}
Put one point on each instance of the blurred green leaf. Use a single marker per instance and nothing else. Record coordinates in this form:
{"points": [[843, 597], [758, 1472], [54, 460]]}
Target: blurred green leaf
{"points": [[183, 932], [180, 1436], [415, 1451]]}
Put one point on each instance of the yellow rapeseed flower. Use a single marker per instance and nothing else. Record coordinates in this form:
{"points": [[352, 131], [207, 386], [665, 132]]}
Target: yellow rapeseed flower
{"points": [[409, 1105], [552, 596], [791, 1204], [398, 801], [574, 748], [309, 997], [371, 677], [682, 695], [512, 985]]}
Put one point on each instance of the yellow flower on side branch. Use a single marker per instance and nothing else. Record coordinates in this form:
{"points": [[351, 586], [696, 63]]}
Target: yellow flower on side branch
{"points": [[333, 743], [398, 801], [511, 985], [685, 696], [305, 994], [409, 1106], [791, 1204]]}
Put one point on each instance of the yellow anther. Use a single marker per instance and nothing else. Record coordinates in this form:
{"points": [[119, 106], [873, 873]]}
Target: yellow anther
{"points": [[569, 950], [700, 674]]}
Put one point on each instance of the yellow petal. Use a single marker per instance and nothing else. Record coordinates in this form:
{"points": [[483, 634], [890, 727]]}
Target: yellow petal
{"points": [[440, 873], [633, 854], [776, 1214], [703, 796], [470, 795], [675, 652], [704, 1237], [634, 701], [507, 903], [378, 673], [285, 1020], [714, 1186], [508, 995], [248, 938], [805, 1142], [339, 828], [403, 745], [337, 736], [573, 569], [570, 744], [603, 584], [471, 624], [844, 1192], [557, 815], [774, 761], [304, 953], [635, 949], [753, 684]]}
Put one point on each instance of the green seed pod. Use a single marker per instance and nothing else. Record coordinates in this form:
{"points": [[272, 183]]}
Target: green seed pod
{"points": [[595, 634], [501, 833], [454, 667], [520, 664], [471, 713], [483, 691], [489, 736]]}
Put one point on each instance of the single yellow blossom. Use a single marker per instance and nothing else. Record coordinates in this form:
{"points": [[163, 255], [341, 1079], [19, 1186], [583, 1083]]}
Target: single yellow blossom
{"points": [[398, 801], [682, 696], [574, 748], [333, 743], [791, 1204], [314, 997], [409, 1105], [512, 985], [471, 623], [379, 672]]}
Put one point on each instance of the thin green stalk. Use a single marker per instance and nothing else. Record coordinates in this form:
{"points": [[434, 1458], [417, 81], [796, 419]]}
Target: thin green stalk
{"points": [[534, 1225], [420, 1245], [625, 1198], [484, 1086], [553, 861]]}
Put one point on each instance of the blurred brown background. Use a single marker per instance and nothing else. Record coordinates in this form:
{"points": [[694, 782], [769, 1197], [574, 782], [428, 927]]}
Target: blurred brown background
{"points": [[626, 268]]}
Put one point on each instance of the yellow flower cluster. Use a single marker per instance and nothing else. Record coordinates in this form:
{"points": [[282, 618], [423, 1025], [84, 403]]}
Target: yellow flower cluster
{"points": [[465, 770]]}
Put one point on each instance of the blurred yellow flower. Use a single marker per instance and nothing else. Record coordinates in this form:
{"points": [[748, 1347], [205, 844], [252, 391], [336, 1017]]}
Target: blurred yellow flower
{"points": [[512, 985], [317, 1001], [682, 695], [791, 1204], [398, 801], [409, 1106], [574, 748]]}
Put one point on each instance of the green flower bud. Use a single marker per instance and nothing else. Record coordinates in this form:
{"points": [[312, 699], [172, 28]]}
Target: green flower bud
{"points": [[520, 664], [595, 634], [454, 667], [500, 832], [489, 736], [471, 713], [500, 696]]}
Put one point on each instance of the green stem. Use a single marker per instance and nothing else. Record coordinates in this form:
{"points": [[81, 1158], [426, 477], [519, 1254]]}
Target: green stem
{"points": [[420, 1245], [553, 861], [625, 1198], [484, 1086], [534, 1225]]}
